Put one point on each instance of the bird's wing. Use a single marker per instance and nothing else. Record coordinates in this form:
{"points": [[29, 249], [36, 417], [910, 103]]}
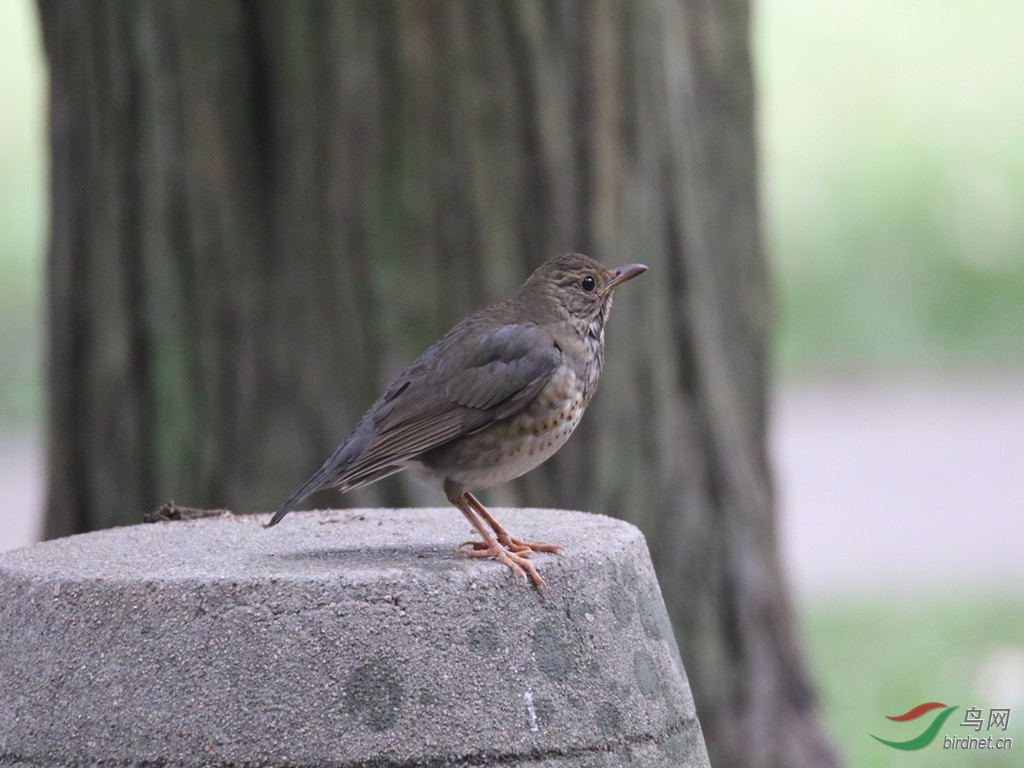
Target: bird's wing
{"points": [[455, 391], [460, 385], [505, 371]]}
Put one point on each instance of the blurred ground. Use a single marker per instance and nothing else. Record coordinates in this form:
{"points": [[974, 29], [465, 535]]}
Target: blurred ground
{"points": [[912, 486], [21, 489]]}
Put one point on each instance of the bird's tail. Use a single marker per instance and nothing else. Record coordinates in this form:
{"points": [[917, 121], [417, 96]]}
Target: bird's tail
{"points": [[315, 483], [346, 469]]}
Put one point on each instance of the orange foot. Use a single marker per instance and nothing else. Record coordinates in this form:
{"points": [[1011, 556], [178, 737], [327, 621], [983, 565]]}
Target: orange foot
{"points": [[514, 560], [496, 541], [513, 544]]}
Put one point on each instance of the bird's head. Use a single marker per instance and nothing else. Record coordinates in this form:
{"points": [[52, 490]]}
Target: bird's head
{"points": [[574, 287]]}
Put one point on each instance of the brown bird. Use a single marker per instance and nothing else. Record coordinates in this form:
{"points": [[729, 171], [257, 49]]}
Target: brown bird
{"points": [[499, 394]]}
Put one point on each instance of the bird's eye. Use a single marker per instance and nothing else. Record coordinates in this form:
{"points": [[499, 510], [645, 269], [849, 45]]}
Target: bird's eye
{"points": [[588, 283]]}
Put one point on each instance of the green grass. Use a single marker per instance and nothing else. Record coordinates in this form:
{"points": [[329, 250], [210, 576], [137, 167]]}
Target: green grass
{"points": [[874, 657]]}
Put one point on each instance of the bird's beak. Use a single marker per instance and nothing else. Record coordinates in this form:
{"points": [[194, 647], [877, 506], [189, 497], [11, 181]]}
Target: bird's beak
{"points": [[622, 274]]}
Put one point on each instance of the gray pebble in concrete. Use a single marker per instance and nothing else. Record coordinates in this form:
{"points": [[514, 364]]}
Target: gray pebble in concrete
{"points": [[340, 638]]}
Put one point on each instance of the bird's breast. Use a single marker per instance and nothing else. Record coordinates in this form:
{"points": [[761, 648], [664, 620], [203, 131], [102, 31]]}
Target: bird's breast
{"points": [[506, 449]]}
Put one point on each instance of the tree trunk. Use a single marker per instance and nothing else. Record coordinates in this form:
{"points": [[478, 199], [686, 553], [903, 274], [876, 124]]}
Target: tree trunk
{"points": [[262, 211]]}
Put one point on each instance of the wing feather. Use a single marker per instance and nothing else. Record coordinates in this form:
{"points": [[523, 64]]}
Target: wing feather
{"points": [[443, 396], [463, 383]]}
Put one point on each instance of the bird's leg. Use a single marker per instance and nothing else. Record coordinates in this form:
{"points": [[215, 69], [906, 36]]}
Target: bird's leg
{"points": [[490, 547], [512, 544]]}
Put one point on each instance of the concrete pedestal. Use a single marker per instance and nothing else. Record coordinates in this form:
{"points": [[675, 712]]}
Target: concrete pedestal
{"points": [[340, 638]]}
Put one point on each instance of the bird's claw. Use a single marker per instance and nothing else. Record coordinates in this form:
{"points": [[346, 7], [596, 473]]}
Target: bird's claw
{"points": [[515, 545], [514, 560]]}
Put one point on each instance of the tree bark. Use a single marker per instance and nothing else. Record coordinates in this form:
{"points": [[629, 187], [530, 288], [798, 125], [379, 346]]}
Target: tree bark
{"points": [[262, 211]]}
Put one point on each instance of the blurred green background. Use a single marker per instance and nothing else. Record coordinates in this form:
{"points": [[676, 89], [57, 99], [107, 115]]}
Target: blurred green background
{"points": [[22, 216], [892, 147], [893, 181]]}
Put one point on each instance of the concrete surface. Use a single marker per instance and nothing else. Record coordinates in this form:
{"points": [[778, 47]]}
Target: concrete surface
{"points": [[340, 638]]}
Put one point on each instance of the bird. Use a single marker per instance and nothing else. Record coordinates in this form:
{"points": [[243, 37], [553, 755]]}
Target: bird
{"points": [[494, 398]]}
